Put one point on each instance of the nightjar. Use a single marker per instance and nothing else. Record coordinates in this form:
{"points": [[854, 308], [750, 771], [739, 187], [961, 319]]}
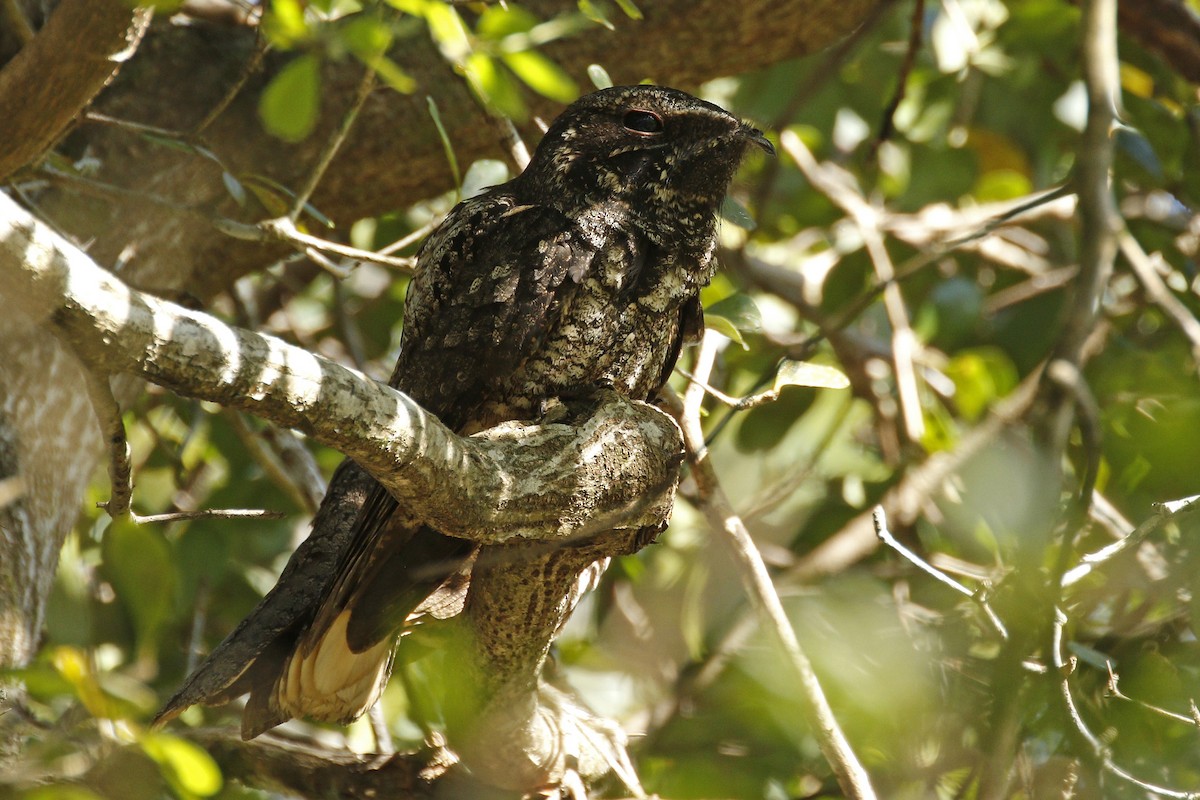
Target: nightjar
{"points": [[583, 271]]}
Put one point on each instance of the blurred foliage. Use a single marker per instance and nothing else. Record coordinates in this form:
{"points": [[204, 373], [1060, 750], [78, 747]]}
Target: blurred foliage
{"points": [[935, 704]]}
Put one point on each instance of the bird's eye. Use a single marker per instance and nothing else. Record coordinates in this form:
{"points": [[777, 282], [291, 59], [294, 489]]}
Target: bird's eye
{"points": [[640, 121]]}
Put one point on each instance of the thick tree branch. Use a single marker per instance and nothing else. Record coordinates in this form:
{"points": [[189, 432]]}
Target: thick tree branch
{"points": [[59, 72], [515, 480]]}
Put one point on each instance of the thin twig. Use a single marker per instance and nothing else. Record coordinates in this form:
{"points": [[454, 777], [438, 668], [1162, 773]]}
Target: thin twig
{"points": [[130, 125], [851, 776], [1098, 750], [916, 25], [336, 139], [112, 428], [736, 403], [252, 65], [879, 517], [210, 513], [514, 143], [1158, 290], [1069, 377], [101, 189], [379, 729], [265, 452], [410, 239], [1114, 690], [1163, 513], [282, 229]]}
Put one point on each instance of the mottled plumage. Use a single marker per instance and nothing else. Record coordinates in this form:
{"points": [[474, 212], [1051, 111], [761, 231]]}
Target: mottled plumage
{"points": [[583, 271]]}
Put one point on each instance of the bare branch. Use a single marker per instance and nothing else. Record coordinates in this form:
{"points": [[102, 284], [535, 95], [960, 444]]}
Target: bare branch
{"points": [[879, 517], [1164, 513]]}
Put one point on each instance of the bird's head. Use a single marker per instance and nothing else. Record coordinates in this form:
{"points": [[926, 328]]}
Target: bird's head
{"points": [[661, 150]]}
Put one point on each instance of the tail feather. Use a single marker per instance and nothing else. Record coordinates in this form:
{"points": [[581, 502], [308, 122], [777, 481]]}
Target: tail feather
{"points": [[328, 681]]}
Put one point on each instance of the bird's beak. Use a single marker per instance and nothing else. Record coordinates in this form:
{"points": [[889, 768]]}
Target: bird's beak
{"points": [[756, 136]]}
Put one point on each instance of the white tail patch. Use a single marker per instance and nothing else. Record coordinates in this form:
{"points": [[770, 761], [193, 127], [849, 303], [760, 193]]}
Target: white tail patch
{"points": [[332, 683]]}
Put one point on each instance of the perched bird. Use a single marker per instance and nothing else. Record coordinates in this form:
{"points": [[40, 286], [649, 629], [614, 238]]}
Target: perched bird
{"points": [[583, 271]]}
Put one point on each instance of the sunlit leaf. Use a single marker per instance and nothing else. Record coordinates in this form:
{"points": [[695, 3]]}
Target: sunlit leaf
{"points": [[288, 106], [738, 311], [447, 30], [367, 36], [981, 377], [805, 373], [726, 328], [495, 85], [284, 24], [595, 14], [599, 76], [393, 75], [481, 174], [189, 769], [497, 22], [542, 75], [75, 668], [630, 8]]}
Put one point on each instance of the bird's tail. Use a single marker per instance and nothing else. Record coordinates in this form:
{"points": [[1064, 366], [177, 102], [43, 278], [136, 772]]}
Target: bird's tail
{"points": [[323, 678]]}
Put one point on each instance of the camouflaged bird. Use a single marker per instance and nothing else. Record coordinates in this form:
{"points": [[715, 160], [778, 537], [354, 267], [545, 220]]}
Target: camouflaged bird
{"points": [[584, 271]]}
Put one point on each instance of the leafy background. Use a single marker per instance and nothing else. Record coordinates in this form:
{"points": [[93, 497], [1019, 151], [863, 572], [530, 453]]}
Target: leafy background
{"points": [[933, 701]]}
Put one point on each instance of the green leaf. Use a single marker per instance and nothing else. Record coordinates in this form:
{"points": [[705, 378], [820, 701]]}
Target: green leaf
{"points": [[542, 75], [289, 104], [234, 187], [447, 30], [60, 792], [595, 14], [805, 373], [736, 213], [630, 8], [741, 311], [367, 37], [599, 76], [285, 25], [187, 767], [393, 75], [447, 145], [725, 327], [494, 85], [482, 174], [497, 22], [138, 564]]}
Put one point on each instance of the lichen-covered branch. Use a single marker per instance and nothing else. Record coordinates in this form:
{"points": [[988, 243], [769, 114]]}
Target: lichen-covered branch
{"points": [[560, 479]]}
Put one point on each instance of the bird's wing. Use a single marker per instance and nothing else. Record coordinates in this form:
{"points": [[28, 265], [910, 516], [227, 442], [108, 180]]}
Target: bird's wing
{"points": [[489, 286]]}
